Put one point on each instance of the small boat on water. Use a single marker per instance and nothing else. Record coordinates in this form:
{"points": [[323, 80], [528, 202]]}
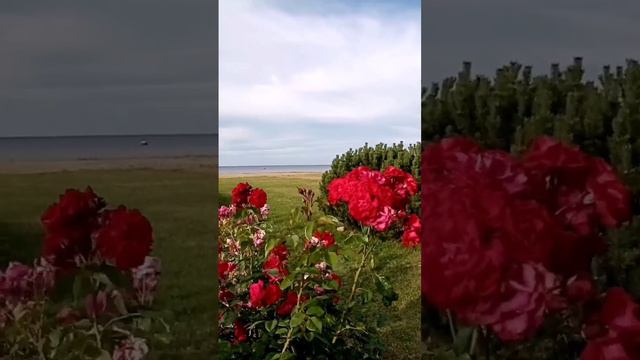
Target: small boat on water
{"points": [[144, 143]]}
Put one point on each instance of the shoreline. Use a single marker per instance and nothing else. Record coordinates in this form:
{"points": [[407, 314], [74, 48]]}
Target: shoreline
{"points": [[188, 163], [157, 163], [305, 174]]}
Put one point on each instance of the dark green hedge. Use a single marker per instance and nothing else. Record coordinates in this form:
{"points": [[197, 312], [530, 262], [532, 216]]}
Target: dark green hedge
{"points": [[514, 107], [377, 157]]}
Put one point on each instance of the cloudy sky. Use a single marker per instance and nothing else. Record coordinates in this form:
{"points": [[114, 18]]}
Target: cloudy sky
{"points": [[77, 67], [491, 33], [303, 81]]}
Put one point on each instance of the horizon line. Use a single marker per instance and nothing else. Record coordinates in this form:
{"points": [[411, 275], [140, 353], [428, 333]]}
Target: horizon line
{"points": [[101, 135]]}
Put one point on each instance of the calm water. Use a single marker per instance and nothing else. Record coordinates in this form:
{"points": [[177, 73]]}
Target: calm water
{"points": [[106, 147], [273, 169]]}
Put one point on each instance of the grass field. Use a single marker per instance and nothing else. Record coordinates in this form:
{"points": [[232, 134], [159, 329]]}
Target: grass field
{"points": [[180, 205], [401, 322]]}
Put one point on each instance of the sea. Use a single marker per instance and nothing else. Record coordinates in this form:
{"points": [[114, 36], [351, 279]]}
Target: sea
{"points": [[115, 147], [231, 170], [107, 147]]}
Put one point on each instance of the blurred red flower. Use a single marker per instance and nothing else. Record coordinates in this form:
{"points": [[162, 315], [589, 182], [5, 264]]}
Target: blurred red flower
{"points": [[125, 238]]}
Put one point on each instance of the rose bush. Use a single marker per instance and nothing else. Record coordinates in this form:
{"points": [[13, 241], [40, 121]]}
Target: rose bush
{"points": [[509, 245], [85, 297], [283, 296]]}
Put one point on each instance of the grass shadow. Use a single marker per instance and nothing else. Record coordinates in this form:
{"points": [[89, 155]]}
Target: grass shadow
{"points": [[19, 241]]}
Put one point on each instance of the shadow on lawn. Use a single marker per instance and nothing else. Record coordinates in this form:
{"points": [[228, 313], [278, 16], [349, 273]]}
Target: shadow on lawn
{"points": [[224, 199], [19, 241]]}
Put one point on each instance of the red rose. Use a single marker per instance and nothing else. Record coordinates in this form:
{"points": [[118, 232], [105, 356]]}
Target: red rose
{"points": [[337, 190], [240, 194], [224, 295], [289, 304], [262, 296], [412, 232], [611, 196], [585, 190], [462, 254], [335, 277], [125, 238], [455, 156], [402, 182], [524, 302], [608, 349], [619, 324], [442, 158], [239, 332], [322, 238], [96, 304], [224, 269], [374, 199], [275, 268], [280, 251], [68, 226], [581, 288], [258, 198]]}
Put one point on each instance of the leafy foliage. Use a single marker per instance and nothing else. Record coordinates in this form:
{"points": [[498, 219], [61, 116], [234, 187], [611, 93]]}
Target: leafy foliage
{"points": [[377, 157], [511, 109]]}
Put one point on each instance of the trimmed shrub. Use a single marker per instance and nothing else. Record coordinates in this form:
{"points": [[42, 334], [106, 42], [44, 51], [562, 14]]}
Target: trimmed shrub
{"points": [[512, 109], [377, 157]]}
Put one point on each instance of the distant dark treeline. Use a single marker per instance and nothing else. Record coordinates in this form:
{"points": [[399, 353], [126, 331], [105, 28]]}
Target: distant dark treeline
{"points": [[511, 109]]}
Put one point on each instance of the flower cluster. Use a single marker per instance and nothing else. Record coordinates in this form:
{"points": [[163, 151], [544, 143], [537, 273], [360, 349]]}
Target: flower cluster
{"points": [[80, 230], [378, 199], [613, 332], [19, 284], [258, 283], [508, 240], [92, 246]]}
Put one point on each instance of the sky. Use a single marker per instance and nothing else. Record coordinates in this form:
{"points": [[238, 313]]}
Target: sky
{"points": [[491, 33], [301, 82], [77, 67]]}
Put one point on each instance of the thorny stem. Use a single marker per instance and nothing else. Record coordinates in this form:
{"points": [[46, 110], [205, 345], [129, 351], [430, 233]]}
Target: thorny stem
{"points": [[451, 327], [97, 334], [354, 287], [290, 332], [474, 340], [124, 317]]}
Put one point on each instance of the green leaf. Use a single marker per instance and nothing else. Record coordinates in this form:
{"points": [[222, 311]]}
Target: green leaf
{"points": [[297, 319], [308, 230], [118, 301], [463, 340], [54, 337], [103, 279], [314, 324], [315, 311], [389, 295], [271, 325], [333, 259], [81, 287], [104, 355], [287, 282], [295, 240]]}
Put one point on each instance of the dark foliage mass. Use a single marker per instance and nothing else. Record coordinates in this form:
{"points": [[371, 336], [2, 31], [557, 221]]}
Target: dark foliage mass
{"points": [[511, 109], [377, 157]]}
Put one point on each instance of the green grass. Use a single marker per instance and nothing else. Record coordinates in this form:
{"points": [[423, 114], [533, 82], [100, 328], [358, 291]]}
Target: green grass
{"points": [[181, 206], [400, 328]]}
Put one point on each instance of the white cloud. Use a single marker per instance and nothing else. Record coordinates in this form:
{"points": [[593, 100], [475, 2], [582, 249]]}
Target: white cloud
{"points": [[280, 67], [301, 87], [233, 135]]}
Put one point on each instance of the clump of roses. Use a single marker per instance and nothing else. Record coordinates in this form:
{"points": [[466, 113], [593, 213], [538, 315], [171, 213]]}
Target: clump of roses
{"points": [[510, 243], [85, 296], [282, 297]]}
